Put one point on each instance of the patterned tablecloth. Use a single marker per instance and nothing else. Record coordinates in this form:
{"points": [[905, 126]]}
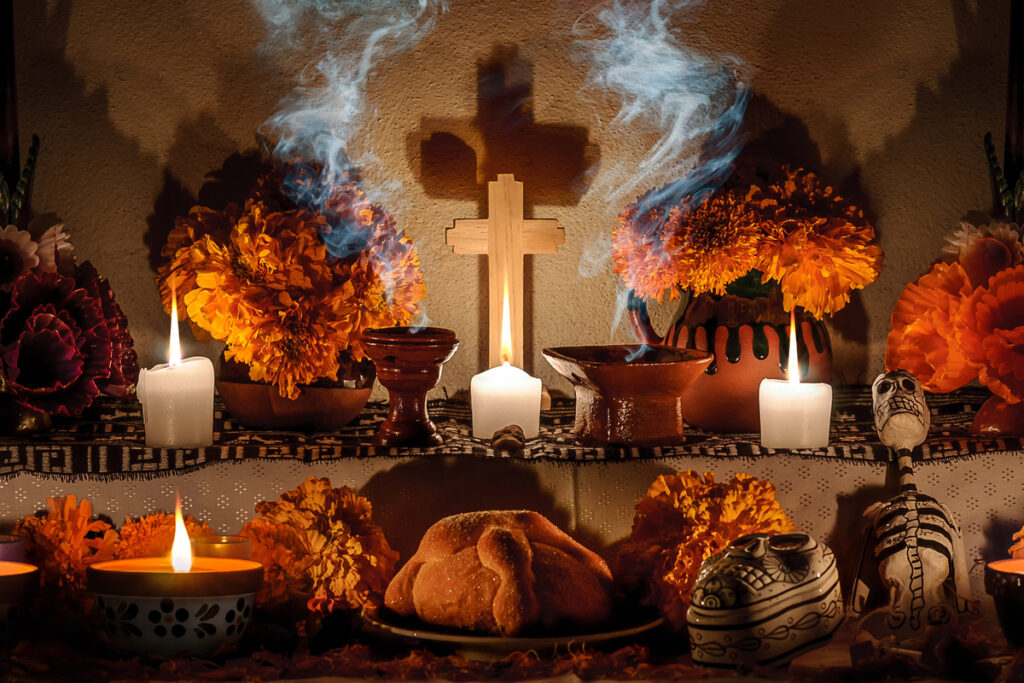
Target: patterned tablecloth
{"points": [[110, 441], [590, 492]]}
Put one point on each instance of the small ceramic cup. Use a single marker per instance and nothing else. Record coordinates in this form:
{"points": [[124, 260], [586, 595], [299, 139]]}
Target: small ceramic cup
{"points": [[12, 548], [223, 545]]}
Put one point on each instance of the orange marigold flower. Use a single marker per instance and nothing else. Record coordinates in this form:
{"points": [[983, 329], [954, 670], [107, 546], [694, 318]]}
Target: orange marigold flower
{"points": [[199, 223], [817, 245], [321, 542], [296, 345], [785, 226], [291, 290], [700, 247], [277, 548], [684, 519], [386, 277], [63, 542], [992, 333], [152, 535], [924, 330]]}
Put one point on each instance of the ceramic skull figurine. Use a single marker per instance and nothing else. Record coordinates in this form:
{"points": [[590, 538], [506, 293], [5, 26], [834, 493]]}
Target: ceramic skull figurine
{"points": [[917, 543], [920, 554], [902, 417]]}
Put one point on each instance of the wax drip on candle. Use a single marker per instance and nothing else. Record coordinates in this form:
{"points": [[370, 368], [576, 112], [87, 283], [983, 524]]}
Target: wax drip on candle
{"points": [[793, 371], [506, 330], [181, 549], [174, 347]]}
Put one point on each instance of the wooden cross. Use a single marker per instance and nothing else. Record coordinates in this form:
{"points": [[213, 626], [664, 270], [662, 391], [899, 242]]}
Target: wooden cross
{"points": [[505, 237]]}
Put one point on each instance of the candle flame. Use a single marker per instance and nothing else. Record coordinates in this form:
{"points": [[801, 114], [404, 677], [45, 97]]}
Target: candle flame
{"points": [[793, 371], [174, 347], [506, 330], [181, 549]]}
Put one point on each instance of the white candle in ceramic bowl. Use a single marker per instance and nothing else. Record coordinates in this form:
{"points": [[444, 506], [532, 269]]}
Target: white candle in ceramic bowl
{"points": [[505, 395], [177, 398], [794, 414]]}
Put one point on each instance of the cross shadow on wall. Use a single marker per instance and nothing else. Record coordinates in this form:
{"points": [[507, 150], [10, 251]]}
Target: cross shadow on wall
{"points": [[455, 158]]}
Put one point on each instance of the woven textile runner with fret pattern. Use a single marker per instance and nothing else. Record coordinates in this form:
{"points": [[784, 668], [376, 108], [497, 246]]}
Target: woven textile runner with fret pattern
{"points": [[110, 440]]}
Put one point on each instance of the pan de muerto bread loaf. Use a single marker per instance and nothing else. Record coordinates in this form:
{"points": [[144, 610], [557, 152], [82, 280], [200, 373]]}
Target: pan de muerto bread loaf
{"points": [[501, 571]]}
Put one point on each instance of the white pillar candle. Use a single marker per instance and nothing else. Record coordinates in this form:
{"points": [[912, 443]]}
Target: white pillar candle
{"points": [[177, 396], [504, 396], [177, 404], [794, 414]]}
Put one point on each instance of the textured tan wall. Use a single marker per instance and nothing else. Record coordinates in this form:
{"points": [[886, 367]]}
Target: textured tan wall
{"points": [[137, 102]]}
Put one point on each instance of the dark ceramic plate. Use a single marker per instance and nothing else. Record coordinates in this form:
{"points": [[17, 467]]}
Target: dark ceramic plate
{"points": [[485, 646]]}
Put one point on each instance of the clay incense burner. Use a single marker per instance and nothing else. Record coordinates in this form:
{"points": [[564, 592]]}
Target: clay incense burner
{"points": [[631, 394], [409, 361]]}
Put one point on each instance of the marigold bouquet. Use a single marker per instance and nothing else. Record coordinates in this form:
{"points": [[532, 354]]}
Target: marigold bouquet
{"points": [[964, 318], [320, 543], [763, 229], [290, 280], [684, 519]]}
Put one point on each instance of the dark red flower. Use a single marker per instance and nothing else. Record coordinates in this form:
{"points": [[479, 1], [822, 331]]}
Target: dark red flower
{"points": [[55, 344], [124, 363]]}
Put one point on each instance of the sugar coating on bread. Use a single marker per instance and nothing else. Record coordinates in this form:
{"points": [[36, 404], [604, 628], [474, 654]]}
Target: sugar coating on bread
{"points": [[501, 571]]}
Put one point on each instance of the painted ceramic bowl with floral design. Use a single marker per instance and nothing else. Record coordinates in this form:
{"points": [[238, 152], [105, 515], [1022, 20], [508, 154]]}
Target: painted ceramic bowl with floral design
{"points": [[18, 582], [149, 610], [763, 600]]}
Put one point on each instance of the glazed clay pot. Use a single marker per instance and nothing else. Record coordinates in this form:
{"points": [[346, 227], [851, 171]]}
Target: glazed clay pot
{"points": [[744, 337], [628, 395], [324, 406], [409, 364]]}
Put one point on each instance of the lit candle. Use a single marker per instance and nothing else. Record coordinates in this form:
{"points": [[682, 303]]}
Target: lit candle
{"points": [[505, 395], [167, 605], [177, 397], [794, 414]]}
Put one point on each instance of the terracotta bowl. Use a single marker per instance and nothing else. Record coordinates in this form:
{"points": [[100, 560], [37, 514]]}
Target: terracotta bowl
{"points": [[629, 395], [320, 407], [1004, 581], [18, 582]]}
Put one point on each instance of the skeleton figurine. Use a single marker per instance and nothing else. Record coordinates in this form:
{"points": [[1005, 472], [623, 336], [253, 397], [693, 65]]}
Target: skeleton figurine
{"points": [[917, 543]]}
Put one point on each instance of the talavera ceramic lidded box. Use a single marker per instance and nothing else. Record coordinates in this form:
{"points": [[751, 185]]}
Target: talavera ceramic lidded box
{"points": [[763, 600]]}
